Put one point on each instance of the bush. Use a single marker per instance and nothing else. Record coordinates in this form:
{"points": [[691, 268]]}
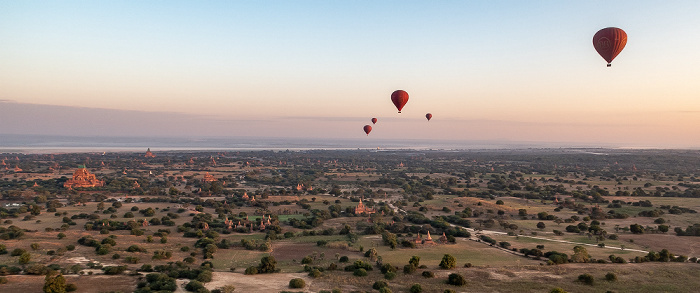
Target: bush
{"points": [[195, 286], [448, 262], [611, 277], [360, 273], [306, 260], [409, 269], [343, 259], [586, 279], [428, 274], [379, 284], [71, 287], [297, 283], [416, 288], [456, 279], [390, 275], [557, 290], [315, 273], [251, 271]]}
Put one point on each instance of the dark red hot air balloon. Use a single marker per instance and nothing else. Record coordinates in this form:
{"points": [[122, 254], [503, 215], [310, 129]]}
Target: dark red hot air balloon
{"points": [[428, 116], [609, 42], [399, 98], [374, 120], [367, 129]]}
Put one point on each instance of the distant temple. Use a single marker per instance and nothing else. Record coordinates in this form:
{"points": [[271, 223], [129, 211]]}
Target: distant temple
{"points": [[18, 169], [209, 178], [83, 178], [149, 154], [361, 208]]}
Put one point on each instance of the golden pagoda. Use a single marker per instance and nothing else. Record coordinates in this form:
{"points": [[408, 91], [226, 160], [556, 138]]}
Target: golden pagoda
{"points": [[209, 178], [83, 178], [361, 208], [149, 154]]}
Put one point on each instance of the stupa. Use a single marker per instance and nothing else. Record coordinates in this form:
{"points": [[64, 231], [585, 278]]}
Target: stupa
{"points": [[149, 154]]}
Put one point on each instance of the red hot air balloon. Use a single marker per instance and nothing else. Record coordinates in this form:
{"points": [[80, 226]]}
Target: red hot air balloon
{"points": [[399, 98], [374, 120], [428, 116], [367, 129], [609, 42]]}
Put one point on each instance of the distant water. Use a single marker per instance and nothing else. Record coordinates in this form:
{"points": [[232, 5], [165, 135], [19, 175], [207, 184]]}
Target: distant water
{"points": [[73, 144]]}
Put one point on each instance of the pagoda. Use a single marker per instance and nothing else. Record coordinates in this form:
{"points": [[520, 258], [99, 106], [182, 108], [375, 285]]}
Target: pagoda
{"points": [[209, 178], [83, 178], [428, 239], [443, 238], [361, 208], [149, 154]]}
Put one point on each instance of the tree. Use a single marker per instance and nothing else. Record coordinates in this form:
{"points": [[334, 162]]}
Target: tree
{"points": [[636, 229], [541, 225], [54, 284], [414, 261], [448, 262], [580, 254], [456, 279], [267, 265], [24, 258]]}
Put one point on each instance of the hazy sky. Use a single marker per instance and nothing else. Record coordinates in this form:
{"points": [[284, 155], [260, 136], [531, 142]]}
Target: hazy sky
{"points": [[513, 70]]}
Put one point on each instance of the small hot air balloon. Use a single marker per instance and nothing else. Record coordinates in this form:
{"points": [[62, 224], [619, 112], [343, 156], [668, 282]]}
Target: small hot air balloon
{"points": [[374, 120], [609, 42], [428, 116], [367, 129], [399, 98]]}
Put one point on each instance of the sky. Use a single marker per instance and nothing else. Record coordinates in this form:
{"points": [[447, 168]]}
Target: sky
{"points": [[486, 70]]}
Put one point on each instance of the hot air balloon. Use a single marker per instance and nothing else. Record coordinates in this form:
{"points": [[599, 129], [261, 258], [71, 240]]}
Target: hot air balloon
{"points": [[609, 42], [374, 120], [367, 129], [428, 116], [399, 98]]}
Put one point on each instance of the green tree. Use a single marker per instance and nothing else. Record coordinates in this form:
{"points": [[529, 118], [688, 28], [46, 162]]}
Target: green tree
{"points": [[54, 284], [580, 254], [268, 265], [24, 258], [448, 262]]}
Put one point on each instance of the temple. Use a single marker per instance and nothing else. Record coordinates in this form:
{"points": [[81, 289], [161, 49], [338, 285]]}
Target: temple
{"points": [[209, 178], [83, 178], [361, 208], [149, 154]]}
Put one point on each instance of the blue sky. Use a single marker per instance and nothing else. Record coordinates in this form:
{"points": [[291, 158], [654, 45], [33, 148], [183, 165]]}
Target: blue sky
{"points": [[520, 70]]}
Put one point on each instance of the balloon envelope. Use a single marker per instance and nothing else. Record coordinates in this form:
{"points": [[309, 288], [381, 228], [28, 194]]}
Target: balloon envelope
{"points": [[428, 116], [609, 42], [367, 129], [374, 120], [399, 98]]}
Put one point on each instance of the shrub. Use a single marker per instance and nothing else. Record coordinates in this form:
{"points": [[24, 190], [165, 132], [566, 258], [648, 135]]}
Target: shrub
{"points": [[315, 273], [297, 283], [359, 273], [343, 259], [448, 262], [557, 290], [456, 279], [306, 260], [409, 269], [251, 271], [379, 284], [611, 277], [416, 288], [195, 286], [586, 279], [71, 287], [428, 274]]}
